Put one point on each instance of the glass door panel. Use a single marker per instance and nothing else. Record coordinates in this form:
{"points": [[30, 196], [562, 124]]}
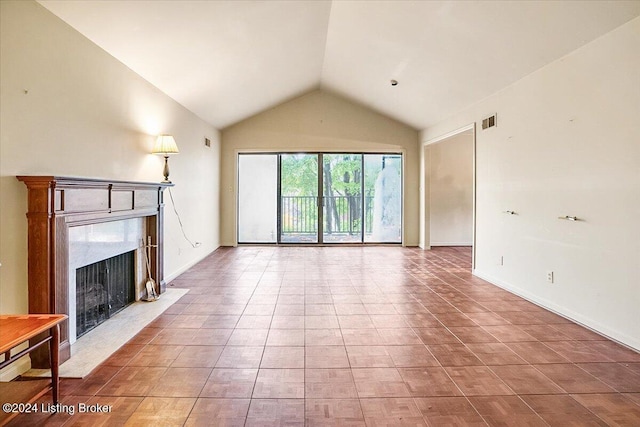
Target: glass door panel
{"points": [[383, 198], [289, 198], [257, 198], [342, 198], [299, 198]]}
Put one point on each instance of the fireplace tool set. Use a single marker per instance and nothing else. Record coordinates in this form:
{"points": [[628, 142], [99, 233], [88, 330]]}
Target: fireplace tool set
{"points": [[150, 285]]}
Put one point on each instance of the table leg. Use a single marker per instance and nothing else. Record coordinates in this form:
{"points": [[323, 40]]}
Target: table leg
{"points": [[54, 346]]}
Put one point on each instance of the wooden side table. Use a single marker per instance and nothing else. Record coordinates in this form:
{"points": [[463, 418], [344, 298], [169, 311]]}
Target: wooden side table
{"points": [[16, 329]]}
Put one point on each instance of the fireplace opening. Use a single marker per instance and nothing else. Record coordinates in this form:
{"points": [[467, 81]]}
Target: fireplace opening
{"points": [[103, 289]]}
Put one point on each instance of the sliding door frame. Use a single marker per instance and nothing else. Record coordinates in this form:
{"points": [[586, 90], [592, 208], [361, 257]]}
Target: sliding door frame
{"points": [[321, 197], [318, 201], [237, 195]]}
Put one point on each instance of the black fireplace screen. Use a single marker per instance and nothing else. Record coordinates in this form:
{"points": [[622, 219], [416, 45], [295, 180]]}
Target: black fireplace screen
{"points": [[103, 289]]}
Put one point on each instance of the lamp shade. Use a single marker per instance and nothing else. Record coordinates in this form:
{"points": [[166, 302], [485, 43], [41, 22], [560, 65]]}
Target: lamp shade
{"points": [[165, 144]]}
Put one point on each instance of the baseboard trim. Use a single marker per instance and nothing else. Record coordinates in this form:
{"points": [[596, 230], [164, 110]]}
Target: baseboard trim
{"points": [[187, 266], [598, 328]]}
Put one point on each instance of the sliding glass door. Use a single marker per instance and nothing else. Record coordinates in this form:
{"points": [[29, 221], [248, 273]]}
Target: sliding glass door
{"points": [[330, 198], [383, 198], [257, 198], [299, 198], [342, 198]]}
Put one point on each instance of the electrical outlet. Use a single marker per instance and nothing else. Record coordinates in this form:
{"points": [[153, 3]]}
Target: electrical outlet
{"points": [[550, 276]]}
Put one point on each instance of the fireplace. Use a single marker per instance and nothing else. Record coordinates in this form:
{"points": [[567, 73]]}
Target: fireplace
{"points": [[103, 289], [96, 244], [67, 218]]}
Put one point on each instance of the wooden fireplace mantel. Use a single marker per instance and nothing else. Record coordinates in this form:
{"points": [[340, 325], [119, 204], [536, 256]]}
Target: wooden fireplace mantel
{"points": [[57, 203]]}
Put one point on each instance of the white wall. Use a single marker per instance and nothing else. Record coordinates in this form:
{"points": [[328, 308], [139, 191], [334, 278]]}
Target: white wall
{"points": [[68, 108], [567, 143], [319, 121], [450, 168]]}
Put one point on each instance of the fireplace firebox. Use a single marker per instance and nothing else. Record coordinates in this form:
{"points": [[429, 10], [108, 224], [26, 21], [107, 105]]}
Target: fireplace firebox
{"points": [[103, 289]]}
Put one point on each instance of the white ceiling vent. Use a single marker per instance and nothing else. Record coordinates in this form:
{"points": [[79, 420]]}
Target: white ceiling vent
{"points": [[489, 122]]}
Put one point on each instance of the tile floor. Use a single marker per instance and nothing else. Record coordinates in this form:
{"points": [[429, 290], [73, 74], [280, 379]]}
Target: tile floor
{"points": [[354, 336]]}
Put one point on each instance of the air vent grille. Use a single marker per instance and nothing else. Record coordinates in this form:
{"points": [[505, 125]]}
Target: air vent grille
{"points": [[489, 122]]}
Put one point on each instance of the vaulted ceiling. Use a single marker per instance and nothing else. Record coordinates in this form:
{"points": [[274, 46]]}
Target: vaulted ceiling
{"points": [[228, 60]]}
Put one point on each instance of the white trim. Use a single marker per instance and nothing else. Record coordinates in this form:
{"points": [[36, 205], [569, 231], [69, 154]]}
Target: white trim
{"points": [[451, 243], [403, 239], [474, 208], [471, 126], [596, 327]]}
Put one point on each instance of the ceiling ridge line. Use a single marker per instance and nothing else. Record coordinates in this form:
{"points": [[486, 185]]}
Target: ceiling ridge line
{"points": [[324, 52]]}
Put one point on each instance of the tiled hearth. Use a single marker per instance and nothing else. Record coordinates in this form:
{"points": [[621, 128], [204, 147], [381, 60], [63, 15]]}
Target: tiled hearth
{"points": [[350, 337]]}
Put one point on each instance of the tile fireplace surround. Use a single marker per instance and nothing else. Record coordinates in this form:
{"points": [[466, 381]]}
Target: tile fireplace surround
{"points": [[61, 211]]}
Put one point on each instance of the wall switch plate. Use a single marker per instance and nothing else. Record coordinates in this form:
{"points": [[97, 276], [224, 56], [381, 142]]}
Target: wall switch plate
{"points": [[550, 276]]}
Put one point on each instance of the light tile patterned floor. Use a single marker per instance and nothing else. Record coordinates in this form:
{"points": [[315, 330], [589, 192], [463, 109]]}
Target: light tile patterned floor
{"points": [[354, 336]]}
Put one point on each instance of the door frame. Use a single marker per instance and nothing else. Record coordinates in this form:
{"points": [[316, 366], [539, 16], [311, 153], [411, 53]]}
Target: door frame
{"points": [[321, 199], [425, 238], [279, 201]]}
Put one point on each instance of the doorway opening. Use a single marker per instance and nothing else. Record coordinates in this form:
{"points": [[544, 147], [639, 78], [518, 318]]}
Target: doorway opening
{"points": [[449, 189], [320, 198]]}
